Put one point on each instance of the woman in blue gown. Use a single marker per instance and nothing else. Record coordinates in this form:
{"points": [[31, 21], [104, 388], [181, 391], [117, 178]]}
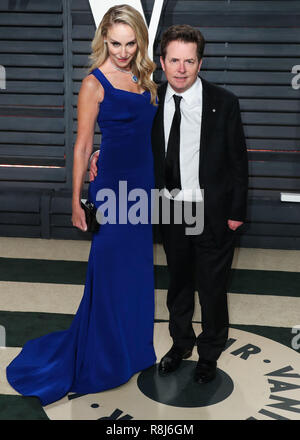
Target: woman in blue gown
{"points": [[111, 336]]}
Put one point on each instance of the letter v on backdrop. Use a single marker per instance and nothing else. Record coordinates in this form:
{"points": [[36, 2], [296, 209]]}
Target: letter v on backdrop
{"points": [[100, 7]]}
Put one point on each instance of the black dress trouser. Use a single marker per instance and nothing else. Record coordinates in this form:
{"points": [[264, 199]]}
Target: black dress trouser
{"points": [[196, 262]]}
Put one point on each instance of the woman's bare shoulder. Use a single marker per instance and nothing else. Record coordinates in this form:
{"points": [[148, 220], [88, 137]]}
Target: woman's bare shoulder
{"points": [[92, 88]]}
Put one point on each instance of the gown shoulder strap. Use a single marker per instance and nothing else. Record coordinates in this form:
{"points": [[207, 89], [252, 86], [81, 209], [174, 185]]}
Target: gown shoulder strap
{"points": [[101, 78]]}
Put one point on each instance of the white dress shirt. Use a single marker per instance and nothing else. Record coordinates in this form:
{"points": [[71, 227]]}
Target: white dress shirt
{"points": [[190, 131]]}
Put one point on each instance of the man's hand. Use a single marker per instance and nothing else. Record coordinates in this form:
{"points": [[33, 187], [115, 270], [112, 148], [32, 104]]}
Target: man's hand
{"points": [[233, 224], [93, 166]]}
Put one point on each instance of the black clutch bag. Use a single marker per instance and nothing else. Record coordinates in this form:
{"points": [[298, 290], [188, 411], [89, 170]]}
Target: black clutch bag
{"points": [[90, 215]]}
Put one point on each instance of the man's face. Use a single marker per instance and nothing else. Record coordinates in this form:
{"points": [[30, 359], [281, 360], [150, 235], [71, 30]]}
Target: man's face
{"points": [[181, 65]]}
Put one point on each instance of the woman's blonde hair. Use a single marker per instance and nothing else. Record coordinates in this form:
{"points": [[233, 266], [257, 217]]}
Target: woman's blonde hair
{"points": [[142, 66]]}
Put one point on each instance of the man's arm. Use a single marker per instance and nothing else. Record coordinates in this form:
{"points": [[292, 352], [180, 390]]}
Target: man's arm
{"points": [[238, 164], [92, 163]]}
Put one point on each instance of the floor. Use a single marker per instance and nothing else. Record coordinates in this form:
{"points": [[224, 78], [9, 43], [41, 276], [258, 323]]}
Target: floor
{"points": [[258, 377]]}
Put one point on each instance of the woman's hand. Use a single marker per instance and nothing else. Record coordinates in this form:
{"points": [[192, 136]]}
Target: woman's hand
{"points": [[78, 218]]}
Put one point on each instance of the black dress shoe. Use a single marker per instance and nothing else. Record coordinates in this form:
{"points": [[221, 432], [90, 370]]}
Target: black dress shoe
{"points": [[205, 371], [171, 360]]}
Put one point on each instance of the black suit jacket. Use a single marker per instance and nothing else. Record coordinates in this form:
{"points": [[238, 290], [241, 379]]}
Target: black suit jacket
{"points": [[223, 169]]}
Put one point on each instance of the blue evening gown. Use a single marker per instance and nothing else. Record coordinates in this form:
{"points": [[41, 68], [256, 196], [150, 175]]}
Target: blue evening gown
{"points": [[111, 336]]}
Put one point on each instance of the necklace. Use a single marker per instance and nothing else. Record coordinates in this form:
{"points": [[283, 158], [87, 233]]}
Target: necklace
{"points": [[133, 77]]}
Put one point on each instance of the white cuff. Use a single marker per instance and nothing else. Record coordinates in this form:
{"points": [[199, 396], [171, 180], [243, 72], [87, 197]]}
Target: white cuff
{"points": [[91, 157]]}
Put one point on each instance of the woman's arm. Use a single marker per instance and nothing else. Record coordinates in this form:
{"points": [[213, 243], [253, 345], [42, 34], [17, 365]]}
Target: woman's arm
{"points": [[90, 95]]}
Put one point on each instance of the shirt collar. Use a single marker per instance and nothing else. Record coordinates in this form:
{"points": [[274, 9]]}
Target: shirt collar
{"points": [[191, 96]]}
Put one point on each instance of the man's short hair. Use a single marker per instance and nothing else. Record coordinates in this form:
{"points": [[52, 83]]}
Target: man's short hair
{"points": [[185, 33]]}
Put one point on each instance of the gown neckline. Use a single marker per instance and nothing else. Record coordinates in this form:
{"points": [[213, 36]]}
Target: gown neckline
{"points": [[121, 90]]}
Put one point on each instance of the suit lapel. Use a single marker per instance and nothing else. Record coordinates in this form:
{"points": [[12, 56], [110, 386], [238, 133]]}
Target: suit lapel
{"points": [[207, 125], [159, 125]]}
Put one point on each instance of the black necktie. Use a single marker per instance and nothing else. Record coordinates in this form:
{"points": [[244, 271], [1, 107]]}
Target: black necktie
{"points": [[172, 165]]}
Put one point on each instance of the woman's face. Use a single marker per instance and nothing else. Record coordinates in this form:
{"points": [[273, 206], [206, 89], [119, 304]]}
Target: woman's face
{"points": [[121, 44]]}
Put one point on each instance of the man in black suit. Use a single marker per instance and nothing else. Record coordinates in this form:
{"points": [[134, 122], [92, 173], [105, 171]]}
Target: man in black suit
{"points": [[199, 149], [198, 143]]}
